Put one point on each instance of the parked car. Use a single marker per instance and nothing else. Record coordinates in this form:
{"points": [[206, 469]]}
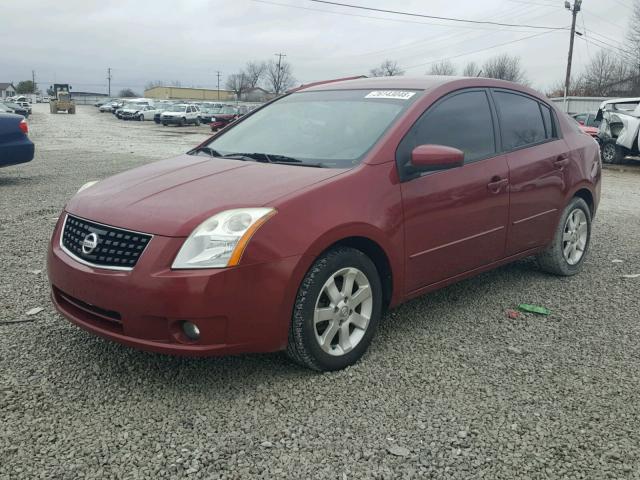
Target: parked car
{"points": [[17, 109], [295, 227], [181, 114], [25, 105], [45, 99], [619, 127], [129, 109], [587, 119], [207, 113], [15, 146], [133, 111], [225, 116], [108, 107]]}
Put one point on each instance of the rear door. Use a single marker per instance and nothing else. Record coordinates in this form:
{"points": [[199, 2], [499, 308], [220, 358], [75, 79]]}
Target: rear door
{"points": [[538, 159], [456, 219]]}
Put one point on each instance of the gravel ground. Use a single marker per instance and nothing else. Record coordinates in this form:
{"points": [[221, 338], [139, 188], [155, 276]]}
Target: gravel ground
{"points": [[451, 388]]}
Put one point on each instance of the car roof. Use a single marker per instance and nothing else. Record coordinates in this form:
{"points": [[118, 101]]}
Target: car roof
{"points": [[425, 82]]}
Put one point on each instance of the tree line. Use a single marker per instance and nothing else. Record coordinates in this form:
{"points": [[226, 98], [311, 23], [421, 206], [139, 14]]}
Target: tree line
{"points": [[504, 67]]}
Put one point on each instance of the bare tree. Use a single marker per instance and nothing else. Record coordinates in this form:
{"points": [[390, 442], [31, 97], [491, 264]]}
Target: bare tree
{"points": [[388, 68], [255, 71], [471, 69], [603, 71], [127, 93], [237, 83], [444, 67], [504, 67], [633, 37], [279, 76]]}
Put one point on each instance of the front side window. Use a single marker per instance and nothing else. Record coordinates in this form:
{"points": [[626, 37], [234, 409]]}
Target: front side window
{"points": [[332, 128], [462, 121], [520, 120]]}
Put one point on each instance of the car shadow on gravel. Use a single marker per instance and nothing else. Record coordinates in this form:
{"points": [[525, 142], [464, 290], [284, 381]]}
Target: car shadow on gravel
{"points": [[124, 366]]}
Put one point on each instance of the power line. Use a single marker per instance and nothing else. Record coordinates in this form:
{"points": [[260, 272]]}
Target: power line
{"points": [[483, 49], [384, 19], [434, 17]]}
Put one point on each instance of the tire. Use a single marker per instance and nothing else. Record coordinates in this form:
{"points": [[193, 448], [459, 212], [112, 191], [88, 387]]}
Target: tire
{"points": [[141, 118], [611, 153], [181, 122], [306, 334], [574, 228], [197, 122]]}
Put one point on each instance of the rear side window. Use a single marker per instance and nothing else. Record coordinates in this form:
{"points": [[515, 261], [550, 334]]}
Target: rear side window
{"points": [[520, 120], [462, 121], [549, 127]]}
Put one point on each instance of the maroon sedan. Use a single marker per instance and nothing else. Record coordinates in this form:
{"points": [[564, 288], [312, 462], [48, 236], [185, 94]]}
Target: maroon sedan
{"points": [[298, 225], [224, 117]]}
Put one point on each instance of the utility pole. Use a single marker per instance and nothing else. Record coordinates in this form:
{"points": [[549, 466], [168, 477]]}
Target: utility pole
{"points": [[218, 75], [279, 55], [574, 13], [33, 81], [109, 80]]}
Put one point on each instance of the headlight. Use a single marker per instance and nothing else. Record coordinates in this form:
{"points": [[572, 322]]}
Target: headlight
{"points": [[87, 185], [219, 241]]}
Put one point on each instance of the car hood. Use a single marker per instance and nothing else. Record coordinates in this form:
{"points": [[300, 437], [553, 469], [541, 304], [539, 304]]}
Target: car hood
{"points": [[172, 197]]}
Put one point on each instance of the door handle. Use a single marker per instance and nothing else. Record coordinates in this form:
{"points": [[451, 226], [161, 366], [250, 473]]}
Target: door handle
{"points": [[496, 184], [561, 162]]}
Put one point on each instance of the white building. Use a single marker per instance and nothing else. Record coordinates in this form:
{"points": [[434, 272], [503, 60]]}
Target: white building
{"points": [[7, 90]]}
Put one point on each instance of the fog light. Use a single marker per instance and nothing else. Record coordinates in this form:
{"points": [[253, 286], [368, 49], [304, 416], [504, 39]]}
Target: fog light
{"points": [[191, 330]]}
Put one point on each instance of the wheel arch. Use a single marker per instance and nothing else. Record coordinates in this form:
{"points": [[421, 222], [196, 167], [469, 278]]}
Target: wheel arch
{"points": [[586, 194], [377, 255]]}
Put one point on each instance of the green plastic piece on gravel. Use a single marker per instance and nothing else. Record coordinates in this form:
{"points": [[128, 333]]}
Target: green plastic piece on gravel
{"points": [[525, 307]]}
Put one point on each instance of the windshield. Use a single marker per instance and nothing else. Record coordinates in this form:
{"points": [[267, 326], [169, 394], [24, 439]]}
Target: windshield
{"points": [[176, 108], [227, 111], [334, 128]]}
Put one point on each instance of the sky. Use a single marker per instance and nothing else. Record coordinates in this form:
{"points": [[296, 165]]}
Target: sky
{"points": [[75, 41]]}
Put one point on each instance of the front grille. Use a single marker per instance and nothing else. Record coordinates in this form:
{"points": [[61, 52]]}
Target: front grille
{"points": [[108, 247]]}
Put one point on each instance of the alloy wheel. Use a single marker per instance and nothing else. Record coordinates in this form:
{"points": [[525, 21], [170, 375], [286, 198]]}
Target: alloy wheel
{"points": [[574, 237], [343, 311], [608, 153]]}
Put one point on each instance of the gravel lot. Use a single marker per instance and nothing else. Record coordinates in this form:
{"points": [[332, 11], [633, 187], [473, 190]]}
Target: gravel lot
{"points": [[451, 387]]}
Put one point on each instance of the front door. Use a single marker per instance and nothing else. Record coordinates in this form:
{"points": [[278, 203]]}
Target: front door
{"points": [[455, 220]]}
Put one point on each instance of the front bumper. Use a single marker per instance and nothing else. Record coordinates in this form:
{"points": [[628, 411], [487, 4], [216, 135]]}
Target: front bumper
{"points": [[171, 120], [238, 310]]}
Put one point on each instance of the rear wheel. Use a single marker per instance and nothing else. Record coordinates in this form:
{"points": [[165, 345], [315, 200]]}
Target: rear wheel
{"points": [[141, 117], [567, 252], [336, 312], [165, 124], [612, 153], [182, 122], [197, 122]]}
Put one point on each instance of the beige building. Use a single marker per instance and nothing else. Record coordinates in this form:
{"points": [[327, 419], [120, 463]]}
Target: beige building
{"points": [[180, 93]]}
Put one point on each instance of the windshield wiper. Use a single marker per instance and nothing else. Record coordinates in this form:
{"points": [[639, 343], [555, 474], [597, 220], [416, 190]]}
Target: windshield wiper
{"points": [[208, 150]]}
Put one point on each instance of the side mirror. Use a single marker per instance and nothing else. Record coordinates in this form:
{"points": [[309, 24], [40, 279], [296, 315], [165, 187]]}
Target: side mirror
{"points": [[436, 157]]}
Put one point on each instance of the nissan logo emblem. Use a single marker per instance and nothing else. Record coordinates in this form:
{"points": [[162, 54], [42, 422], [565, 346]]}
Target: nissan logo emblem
{"points": [[89, 243]]}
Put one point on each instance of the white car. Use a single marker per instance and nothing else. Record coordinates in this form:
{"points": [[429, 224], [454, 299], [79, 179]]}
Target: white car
{"points": [[181, 114], [619, 129]]}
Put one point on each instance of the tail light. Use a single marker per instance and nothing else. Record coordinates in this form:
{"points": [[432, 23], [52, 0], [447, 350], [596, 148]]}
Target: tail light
{"points": [[24, 127]]}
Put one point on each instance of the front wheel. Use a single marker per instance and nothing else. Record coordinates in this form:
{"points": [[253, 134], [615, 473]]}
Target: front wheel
{"points": [[197, 122], [141, 118], [336, 311], [182, 122], [566, 253]]}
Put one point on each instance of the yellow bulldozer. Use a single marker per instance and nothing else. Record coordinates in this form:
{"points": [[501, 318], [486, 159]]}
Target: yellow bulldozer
{"points": [[61, 99]]}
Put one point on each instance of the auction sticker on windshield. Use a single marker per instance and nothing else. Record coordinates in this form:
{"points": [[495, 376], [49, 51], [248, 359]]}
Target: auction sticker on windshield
{"points": [[395, 94]]}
